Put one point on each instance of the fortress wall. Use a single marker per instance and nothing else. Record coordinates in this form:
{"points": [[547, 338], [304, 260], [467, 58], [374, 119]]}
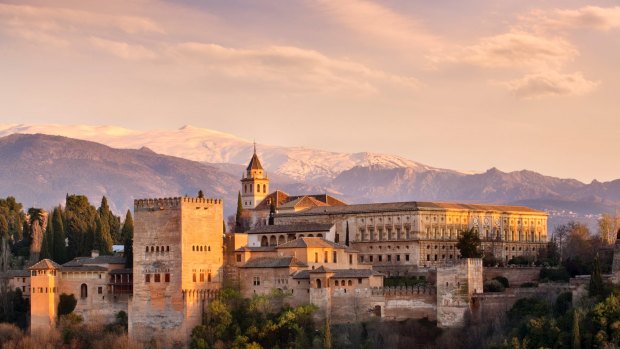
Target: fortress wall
{"points": [[515, 276]]}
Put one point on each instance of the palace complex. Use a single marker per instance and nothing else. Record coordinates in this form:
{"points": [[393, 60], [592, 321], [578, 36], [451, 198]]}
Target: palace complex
{"points": [[308, 248]]}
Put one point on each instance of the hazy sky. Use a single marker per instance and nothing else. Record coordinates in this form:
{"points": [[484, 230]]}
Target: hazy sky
{"points": [[457, 84]]}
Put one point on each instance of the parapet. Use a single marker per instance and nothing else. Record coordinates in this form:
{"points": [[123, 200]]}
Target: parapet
{"points": [[164, 203]]}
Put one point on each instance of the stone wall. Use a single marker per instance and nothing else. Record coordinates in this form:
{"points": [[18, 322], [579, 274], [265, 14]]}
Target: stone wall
{"points": [[455, 286], [515, 276]]}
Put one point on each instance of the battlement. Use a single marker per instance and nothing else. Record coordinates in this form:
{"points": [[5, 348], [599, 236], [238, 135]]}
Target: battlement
{"points": [[404, 291], [163, 203]]}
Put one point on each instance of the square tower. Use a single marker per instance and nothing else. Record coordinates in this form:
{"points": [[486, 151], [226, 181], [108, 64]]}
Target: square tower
{"points": [[43, 295], [177, 264]]}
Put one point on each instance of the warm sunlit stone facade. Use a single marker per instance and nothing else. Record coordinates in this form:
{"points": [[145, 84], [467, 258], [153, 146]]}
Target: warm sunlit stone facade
{"points": [[178, 264], [399, 237]]}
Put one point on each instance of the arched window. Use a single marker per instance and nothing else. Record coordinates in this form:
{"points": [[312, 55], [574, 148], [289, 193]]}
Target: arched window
{"points": [[319, 235], [264, 188], [336, 283], [281, 240], [245, 188], [318, 283], [200, 248], [83, 291], [350, 283], [157, 249], [147, 248], [264, 241], [152, 249], [272, 240]]}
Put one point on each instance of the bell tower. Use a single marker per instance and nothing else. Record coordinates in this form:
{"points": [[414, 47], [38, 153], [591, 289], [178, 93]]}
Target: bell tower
{"points": [[254, 183]]}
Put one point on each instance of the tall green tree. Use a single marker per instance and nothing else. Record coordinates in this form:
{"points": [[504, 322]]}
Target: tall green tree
{"points": [[47, 245], [4, 228], [575, 335], [59, 241], [469, 244], [239, 215], [80, 225], [596, 287], [103, 239], [114, 222], [127, 236]]}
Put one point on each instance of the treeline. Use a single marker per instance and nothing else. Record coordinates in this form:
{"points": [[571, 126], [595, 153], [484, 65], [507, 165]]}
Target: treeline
{"points": [[62, 234]]}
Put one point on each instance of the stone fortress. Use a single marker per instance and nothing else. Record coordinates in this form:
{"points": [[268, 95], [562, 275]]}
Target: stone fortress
{"points": [[309, 248]]}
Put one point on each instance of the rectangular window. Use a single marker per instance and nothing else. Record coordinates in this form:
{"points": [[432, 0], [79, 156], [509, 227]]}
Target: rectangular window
{"points": [[370, 257], [239, 258], [325, 257], [398, 258], [428, 257], [316, 257], [362, 259], [167, 277], [380, 258], [100, 290], [335, 259], [389, 257], [202, 277], [194, 277], [157, 277], [359, 281], [350, 259], [147, 277], [407, 257], [256, 281]]}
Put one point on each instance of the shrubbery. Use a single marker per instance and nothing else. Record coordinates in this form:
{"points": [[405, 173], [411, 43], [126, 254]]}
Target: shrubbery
{"points": [[554, 274], [493, 286], [503, 280]]}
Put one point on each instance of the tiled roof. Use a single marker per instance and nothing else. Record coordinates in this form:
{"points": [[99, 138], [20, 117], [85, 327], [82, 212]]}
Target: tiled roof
{"points": [[79, 261], [274, 262], [17, 273], [306, 242], [45, 264], [339, 273], [254, 163], [320, 270], [122, 271], [411, 206], [283, 200], [291, 228], [83, 268]]}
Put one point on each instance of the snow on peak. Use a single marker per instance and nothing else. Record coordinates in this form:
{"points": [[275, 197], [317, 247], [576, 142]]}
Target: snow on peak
{"points": [[205, 145]]}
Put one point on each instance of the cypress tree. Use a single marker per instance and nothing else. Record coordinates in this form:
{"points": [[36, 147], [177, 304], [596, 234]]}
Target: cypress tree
{"points": [[201, 195], [59, 249], [239, 215], [596, 279], [47, 244], [114, 222], [127, 236], [79, 225], [103, 240], [346, 238]]}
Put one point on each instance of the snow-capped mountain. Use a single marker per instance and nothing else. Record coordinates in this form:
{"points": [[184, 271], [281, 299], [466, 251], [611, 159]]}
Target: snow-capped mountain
{"points": [[298, 164]]}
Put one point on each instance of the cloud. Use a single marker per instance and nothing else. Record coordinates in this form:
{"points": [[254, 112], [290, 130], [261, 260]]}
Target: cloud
{"points": [[515, 49], [378, 22], [46, 24], [550, 84], [123, 50], [590, 17], [290, 66]]}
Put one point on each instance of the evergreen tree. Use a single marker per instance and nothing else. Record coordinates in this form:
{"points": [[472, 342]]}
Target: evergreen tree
{"points": [[239, 215], [346, 237], [469, 244], [47, 245], [114, 222], [103, 240], [4, 228], [127, 236], [596, 279], [80, 225], [201, 195], [576, 337], [59, 249]]}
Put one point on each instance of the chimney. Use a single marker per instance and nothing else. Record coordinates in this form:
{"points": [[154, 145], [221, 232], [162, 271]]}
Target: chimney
{"points": [[94, 253]]}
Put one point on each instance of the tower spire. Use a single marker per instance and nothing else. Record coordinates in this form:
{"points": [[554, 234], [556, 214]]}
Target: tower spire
{"points": [[254, 147]]}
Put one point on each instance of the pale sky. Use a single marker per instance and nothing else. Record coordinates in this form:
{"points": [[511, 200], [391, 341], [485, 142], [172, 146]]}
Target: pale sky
{"points": [[464, 85]]}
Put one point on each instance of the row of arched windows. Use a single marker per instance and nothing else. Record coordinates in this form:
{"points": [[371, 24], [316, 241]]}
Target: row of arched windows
{"points": [[157, 248], [197, 248], [45, 290], [258, 187]]}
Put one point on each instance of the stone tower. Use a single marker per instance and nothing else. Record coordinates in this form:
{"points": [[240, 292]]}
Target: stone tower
{"points": [[254, 184], [43, 295], [177, 264]]}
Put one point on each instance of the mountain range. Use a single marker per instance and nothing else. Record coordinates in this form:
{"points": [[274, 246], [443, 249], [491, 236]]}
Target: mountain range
{"points": [[41, 163]]}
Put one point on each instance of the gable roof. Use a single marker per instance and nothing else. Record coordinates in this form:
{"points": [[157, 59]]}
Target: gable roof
{"points": [[283, 200], [45, 264], [80, 261], [274, 262]]}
